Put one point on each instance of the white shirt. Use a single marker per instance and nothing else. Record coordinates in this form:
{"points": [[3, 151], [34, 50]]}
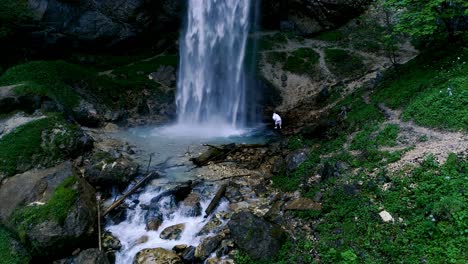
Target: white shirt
{"points": [[276, 117]]}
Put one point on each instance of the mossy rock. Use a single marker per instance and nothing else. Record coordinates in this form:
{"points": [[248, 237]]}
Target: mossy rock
{"points": [[43, 142], [58, 225], [344, 63]]}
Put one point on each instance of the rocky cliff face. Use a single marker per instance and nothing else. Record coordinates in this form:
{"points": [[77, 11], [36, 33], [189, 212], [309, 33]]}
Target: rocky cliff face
{"points": [[310, 16], [103, 22]]}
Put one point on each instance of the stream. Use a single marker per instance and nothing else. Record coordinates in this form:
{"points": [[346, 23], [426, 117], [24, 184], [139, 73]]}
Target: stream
{"points": [[171, 152]]}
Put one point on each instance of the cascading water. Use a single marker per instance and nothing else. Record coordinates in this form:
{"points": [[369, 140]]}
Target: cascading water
{"points": [[211, 83]]}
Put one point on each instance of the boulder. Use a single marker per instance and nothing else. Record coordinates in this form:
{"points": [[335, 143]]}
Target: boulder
{"points": [[192, 205], [207, 246], [156, 256], [10, 101], [153, 223], [105, 171], [29, 187], [172, 232], [296, 158], [86, 114], [255, 236], [165, 76], [62, 211], [91, 256], [110, 242]]}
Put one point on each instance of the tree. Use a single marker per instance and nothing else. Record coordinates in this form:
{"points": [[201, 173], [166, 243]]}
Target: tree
{"points": [[422, 18], [13, 14]]}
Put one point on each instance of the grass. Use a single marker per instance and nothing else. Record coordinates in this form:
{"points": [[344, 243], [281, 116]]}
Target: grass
{"points": [[9, 252], [330, 36], [56, 209], [431, 89], [271, 42], [24, 147], [47, 78], [428, 205], [343, 63], [302, 61]]}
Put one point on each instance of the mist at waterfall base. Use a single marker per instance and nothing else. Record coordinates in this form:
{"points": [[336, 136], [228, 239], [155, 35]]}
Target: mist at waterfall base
{"points": [[215, 104], [214, 94]]}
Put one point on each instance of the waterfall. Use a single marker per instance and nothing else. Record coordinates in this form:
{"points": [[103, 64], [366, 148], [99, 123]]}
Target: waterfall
{"points": [[211, 87]]}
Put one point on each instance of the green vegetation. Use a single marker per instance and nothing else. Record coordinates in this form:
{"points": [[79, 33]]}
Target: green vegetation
{"points": [[330, 36], [431, 89], [271, 42], [430, 17], [343, 63], [12, 15], [56, 209], [48, 78], [24, 147], [302, 61], [9, 252]]}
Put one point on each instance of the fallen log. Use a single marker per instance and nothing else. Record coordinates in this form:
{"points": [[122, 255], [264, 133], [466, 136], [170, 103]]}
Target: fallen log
{"points": [[214, 202], [130, 192]]}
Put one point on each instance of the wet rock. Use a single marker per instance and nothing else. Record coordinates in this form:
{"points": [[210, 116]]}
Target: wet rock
{"points": [[172, 232], [219, 261], [258, 238], [296, 158], [188, 255], [179, 248], [156, 256], [226, 247], [207, 246], [302, 204], [110, 242], [329, 170], [119, 214], [10, 101], [105, 171], [233, 193], [154, 223], [192, 205], [318, 196], [275, 215], [211, 227], [91, 256], [141, 240]]}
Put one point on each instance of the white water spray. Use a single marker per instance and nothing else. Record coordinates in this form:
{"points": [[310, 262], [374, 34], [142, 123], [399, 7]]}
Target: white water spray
{"points": [[211, 83]]}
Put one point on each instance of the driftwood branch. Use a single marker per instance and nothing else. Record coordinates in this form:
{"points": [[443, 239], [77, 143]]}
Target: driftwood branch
{"points": [[130, 192], [215, 201]]}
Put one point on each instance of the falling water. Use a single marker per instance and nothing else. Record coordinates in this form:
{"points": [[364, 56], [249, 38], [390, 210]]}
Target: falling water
{"points": [[211, 84]]}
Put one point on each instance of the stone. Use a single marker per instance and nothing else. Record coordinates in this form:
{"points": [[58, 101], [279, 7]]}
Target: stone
{"points": [[31, 186], [10, 101], [91, 256], [154, 223], [188, 256], [386, 216], [211, 227], [259, 239], [302, 204], [179, 248], [141, 240], [172, 232], [192, 205], [106, 171], [156, 256], [296, 158], [52, 238], [110, 242], [207, 246], [86, 114], [219, 261]]}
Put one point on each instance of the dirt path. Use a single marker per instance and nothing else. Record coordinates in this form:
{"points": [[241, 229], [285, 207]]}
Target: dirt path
{"points": [[423, 140]]}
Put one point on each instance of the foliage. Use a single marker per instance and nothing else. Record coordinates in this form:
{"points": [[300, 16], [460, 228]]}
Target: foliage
{"points": [[12, 15], [431, 89], [290, 181], [9, 253], [330, 36], [25, 144], [343, 63], [430, 17]]}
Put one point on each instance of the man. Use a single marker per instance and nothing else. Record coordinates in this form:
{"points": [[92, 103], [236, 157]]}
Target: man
{"points": [[277, 120]]}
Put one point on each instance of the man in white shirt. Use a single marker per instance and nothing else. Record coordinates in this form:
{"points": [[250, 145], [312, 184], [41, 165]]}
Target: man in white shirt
{"points": [[277, 120]]}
